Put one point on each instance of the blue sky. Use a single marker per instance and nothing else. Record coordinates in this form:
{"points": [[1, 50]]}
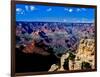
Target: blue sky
{"points": [[25, 12]]}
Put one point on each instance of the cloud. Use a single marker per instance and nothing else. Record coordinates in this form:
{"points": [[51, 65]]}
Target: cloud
{"points": [[66, 9], [83, 9], [70, 10], [32, 8], [27, 7], [49, 9], [22, 12], [18, 9], [78, 9]]}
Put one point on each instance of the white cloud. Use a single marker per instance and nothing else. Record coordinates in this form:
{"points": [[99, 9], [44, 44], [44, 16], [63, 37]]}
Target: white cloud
{"points": [[49, 9], [70, 10], [83, 9], [78, 9], [66, 9], [18, 9], [22, 13], [32, 8], [27, 8]]}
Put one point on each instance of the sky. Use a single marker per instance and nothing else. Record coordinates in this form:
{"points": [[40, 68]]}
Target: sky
{"points": [[42, 13]]}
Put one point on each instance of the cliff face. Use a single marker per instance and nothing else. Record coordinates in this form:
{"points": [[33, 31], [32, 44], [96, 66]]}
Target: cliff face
{"points": [[86, 51], [84, 57]]}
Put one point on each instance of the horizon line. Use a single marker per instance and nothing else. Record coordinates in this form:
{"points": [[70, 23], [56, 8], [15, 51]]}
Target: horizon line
{"points": [[55, 21]]}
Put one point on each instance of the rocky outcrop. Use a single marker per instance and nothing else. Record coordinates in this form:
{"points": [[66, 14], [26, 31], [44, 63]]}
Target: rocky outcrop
{"points": [[84, 57]]}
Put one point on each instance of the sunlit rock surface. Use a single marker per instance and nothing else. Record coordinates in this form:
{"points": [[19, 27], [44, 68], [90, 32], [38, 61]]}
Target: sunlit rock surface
{"points": [[84, 53]]}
